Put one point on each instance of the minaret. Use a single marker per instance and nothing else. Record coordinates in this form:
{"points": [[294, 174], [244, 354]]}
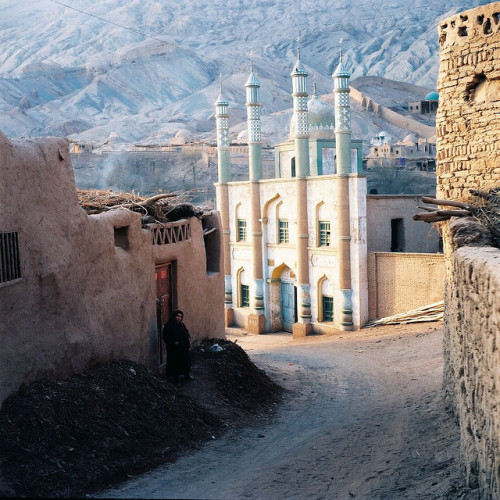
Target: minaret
{"points": [[254, 126], [256, 320], [343, 146], [301, 140], [224, 176]]}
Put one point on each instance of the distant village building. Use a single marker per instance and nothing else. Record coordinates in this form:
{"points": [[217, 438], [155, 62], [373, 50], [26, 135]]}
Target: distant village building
{"points": [[428, 105], [410, 153], [81, 147]]}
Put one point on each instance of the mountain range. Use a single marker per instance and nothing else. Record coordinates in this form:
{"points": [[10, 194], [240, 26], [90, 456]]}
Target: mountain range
{"points": [[144, 69]]}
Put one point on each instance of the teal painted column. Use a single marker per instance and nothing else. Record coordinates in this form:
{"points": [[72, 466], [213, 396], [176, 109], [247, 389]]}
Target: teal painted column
{"points": [[224, 176], [223, 144]]}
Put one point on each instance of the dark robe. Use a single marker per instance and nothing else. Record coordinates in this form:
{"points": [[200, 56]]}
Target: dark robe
{"points": [[178, 341]]}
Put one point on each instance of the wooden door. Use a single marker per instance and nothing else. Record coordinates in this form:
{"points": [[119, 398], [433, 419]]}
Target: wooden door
{"points": [[163, 280]]}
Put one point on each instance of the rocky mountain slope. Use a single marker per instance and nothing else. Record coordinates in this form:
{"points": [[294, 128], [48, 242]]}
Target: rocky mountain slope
{"points": [[147, 69]]}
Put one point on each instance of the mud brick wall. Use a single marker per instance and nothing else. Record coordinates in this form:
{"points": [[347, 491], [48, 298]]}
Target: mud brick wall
{"points": [[468, 119], [472, 375], [468, 157]]}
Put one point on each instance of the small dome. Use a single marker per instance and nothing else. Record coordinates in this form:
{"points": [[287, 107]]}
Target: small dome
{"points": [[182, 137], [432, 96], [242, 136], [409, 139], [321, 118]]}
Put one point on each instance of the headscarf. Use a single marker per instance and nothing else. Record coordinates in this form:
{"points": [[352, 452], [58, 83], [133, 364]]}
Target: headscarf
{"points": [[174, 314]]}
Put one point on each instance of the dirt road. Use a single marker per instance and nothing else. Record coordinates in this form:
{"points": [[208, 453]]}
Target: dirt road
{"points": [[363, 417]]}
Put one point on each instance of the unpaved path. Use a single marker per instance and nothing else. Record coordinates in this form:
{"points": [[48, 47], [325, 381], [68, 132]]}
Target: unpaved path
{"points": [[363, 417]]}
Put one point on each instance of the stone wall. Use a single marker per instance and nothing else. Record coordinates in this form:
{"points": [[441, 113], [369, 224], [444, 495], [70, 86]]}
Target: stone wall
{"points": [[468, 118], [472, 375], [400, 282], [468, 152]]}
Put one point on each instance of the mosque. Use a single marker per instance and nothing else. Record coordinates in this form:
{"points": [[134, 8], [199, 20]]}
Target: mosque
{"points": [[295, 246]]}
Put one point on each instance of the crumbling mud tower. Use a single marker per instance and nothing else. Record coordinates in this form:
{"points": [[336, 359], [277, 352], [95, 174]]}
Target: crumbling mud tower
{"points": [[468, 157]]}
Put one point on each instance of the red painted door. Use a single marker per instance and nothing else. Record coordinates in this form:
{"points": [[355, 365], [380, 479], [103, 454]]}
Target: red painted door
{"points": [[163, 279]]}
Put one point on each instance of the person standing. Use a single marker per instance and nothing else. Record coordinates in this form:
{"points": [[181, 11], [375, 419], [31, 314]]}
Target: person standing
{"points": [[178, 341]]}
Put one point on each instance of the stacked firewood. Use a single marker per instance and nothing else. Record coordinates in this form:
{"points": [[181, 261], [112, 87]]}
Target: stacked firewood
{"points": [[163, 207], [431, 312], [485, 209]]}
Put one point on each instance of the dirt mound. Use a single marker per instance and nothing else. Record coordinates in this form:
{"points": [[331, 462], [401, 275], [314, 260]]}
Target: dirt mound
{"points": [[232, 385], [62, 438]]}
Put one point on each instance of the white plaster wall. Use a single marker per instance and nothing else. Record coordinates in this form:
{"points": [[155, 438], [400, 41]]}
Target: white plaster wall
{"points": [[359, 251], [239, 195], [322, 189], [419, 237]]}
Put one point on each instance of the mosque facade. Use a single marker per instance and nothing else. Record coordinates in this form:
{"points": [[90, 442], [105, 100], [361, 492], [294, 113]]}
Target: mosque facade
{"points": [[295, 246]]}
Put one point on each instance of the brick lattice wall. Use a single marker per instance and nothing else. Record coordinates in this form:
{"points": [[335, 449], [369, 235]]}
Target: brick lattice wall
{"points": [[400, 282]]}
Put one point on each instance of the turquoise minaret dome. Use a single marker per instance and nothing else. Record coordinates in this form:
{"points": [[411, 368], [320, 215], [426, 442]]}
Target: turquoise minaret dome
{"points": [[223, 143], [254, 126]]}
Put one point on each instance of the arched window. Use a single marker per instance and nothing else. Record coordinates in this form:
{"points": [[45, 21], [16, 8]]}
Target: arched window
{"points": [[282, 229], [325, 300], [241, 224], [242, 289], [323, 226]]}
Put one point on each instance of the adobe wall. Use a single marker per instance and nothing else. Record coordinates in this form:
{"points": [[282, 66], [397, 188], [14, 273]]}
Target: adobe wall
{"points": [[199, 291], [380, 209], [400, 282], [472, 374], [468, 152], [87, 291], [81, 299], [468, 117]]}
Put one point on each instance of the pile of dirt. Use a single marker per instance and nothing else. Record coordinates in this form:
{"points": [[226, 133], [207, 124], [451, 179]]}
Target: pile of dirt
{"points": [[233, 387], [65, 438]]}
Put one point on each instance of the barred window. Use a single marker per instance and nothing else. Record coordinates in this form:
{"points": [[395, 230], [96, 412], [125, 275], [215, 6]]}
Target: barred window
{"points": [[10, 264], [242, 230], [283, 231], [327, 308], [245, 296], [324, 234]]}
